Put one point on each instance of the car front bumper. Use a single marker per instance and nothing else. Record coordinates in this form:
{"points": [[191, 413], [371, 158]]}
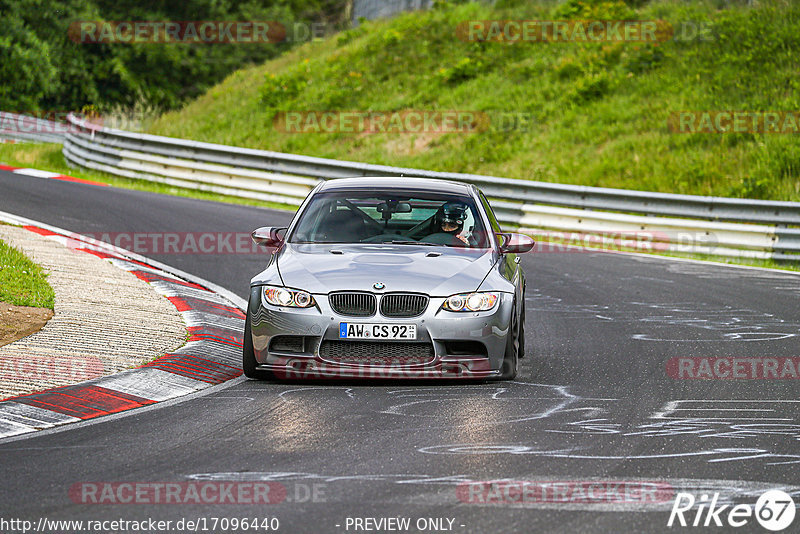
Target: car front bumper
{"points": [[465, 345]]}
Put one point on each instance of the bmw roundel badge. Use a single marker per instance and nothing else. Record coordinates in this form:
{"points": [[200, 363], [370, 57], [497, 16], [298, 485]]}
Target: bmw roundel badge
{"points": [[378, 285]]}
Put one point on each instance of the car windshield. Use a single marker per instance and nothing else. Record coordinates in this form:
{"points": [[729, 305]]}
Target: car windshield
{"points": [[398, 218]]}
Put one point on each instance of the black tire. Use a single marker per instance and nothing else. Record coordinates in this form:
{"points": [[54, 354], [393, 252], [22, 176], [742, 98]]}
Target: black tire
{"points": [[510, 366], [249, 356], [521, 352]]}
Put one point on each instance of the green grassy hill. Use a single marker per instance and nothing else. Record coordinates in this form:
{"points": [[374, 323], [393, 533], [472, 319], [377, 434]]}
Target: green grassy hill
{"points": [[599, 110]]}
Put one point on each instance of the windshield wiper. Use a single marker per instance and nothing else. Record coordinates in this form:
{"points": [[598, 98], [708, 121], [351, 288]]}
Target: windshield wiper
{"points": [[423, 243]]}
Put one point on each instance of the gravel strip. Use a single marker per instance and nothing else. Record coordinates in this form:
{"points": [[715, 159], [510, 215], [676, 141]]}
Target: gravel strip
{"points": [[106, 320]]}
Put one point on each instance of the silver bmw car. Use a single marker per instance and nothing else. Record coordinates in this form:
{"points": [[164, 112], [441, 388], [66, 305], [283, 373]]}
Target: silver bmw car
{"points": [[388, 278]]}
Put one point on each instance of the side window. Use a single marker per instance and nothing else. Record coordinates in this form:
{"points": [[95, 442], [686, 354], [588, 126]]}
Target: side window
{"points": [[469, 224], [489, 213]]}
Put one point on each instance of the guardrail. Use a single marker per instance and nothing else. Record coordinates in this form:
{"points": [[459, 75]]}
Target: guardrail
{"points": [[373, 9], [684, 223], [16, 127]]}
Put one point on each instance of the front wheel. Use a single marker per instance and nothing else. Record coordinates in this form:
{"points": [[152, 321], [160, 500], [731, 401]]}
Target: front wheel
{"points": [[510, 366], [521, 353], [249, 362]]}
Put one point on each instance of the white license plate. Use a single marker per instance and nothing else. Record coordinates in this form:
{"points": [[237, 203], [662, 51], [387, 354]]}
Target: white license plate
{"points": [[377, 331]]}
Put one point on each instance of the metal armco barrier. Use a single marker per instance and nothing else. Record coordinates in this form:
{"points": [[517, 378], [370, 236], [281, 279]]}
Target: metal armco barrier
{"points": [[374, 9], [685, 223]]}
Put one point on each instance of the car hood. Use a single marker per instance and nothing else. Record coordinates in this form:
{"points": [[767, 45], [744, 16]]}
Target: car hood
{"points": [[436, 271]]}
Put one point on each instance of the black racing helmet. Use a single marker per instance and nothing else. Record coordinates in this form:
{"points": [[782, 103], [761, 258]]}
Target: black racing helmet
{"points": [[454, 213]]}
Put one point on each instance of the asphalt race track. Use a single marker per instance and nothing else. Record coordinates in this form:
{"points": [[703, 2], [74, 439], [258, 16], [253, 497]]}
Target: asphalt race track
{"points": [[594, 402]]}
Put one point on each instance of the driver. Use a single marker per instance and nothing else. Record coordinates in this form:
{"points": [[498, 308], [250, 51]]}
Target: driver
{"points": [[449, 219]]}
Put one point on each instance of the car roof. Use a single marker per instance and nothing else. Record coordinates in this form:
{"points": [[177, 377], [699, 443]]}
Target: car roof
{"points": [[396, 182]]}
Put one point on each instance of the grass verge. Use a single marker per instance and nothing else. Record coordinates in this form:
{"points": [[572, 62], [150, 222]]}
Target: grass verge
{"points": [[22, 282]]}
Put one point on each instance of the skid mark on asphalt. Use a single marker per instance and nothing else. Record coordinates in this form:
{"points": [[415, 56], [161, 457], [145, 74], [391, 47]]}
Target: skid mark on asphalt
{"points": [[513, 402], [696, 421], [695, 321], [718, 272], [719, 324], [713, 455], [283, 395], [736, 419], [708, 429]]}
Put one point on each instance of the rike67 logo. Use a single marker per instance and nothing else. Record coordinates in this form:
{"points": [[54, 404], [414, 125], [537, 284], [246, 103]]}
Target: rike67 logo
{"points": [[774, 510]]}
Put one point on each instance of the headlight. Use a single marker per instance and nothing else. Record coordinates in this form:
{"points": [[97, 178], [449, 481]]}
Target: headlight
{"points": [[470, 302], [294, 298]]}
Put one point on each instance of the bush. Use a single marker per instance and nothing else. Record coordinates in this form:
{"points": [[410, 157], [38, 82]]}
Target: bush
{"points": [[594, 10], [590, 88]]}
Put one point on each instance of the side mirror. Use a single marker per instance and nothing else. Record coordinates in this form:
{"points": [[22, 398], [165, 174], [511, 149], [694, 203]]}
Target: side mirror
{"points": [[516, 243], [268, 236]]}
